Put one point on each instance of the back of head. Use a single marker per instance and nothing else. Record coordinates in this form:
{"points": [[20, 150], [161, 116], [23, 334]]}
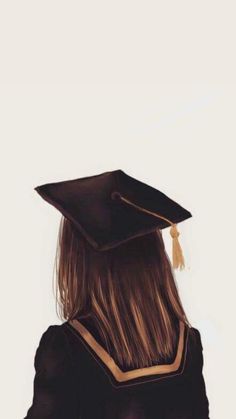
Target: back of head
{"points": [[129, 291]]}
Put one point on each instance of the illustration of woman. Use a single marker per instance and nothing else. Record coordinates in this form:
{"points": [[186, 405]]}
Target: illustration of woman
{"points": [[125, 348]]}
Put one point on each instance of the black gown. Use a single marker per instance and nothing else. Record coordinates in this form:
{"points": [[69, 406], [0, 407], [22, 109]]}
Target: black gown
{"points": [[76, 378]]}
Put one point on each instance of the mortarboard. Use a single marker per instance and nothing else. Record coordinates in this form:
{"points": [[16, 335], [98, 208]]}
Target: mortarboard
{"points": [[113, 207]]}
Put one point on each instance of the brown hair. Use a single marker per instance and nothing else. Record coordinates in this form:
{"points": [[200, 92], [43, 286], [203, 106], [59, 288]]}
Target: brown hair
{"points": [[129, 292]]}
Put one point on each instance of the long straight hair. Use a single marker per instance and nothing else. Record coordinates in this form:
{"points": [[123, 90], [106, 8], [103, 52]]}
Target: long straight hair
{"points": [[129, 292]]}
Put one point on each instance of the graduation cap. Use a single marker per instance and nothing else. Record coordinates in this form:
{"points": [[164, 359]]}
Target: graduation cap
{"points": [[112, 207]]}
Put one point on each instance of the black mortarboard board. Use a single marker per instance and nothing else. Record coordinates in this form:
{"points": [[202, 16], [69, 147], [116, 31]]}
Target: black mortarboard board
{"points": [[113, 207]]}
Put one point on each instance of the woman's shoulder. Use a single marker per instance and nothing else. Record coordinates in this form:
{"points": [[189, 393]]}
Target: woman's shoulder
{"points": [[52, 335], [195, 347], [195, 336], [52, 350]]}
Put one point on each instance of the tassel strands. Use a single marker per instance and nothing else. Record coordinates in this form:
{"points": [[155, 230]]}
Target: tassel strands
{"points": [[177, 254]]}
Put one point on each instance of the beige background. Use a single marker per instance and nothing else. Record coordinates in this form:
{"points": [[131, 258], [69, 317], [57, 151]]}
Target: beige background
{"points": [[145, 87]]}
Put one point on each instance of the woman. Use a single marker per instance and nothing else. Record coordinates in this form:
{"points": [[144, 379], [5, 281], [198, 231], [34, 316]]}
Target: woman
{"points": [[125, 348]]}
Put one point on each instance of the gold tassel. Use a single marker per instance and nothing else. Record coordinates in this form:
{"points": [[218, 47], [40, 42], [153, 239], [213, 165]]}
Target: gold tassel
{"points": [[177, 254]]}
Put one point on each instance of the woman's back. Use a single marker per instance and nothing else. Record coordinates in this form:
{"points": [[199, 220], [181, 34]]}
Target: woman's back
{"points": [[76, 378], [125, 348]]}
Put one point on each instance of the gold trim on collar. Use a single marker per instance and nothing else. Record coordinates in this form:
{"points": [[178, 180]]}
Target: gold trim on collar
{"points": [[135, 373]]}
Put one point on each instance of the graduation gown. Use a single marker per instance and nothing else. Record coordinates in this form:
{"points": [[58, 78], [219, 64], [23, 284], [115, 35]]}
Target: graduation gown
{"points": [[76, 378]]}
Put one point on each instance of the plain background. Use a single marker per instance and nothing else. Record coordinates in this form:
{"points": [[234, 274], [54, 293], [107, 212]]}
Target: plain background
{"points": [[143, 86]]}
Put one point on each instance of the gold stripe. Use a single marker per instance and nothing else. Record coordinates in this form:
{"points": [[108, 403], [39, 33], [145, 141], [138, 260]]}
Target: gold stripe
{"points": [[135, 373]]}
